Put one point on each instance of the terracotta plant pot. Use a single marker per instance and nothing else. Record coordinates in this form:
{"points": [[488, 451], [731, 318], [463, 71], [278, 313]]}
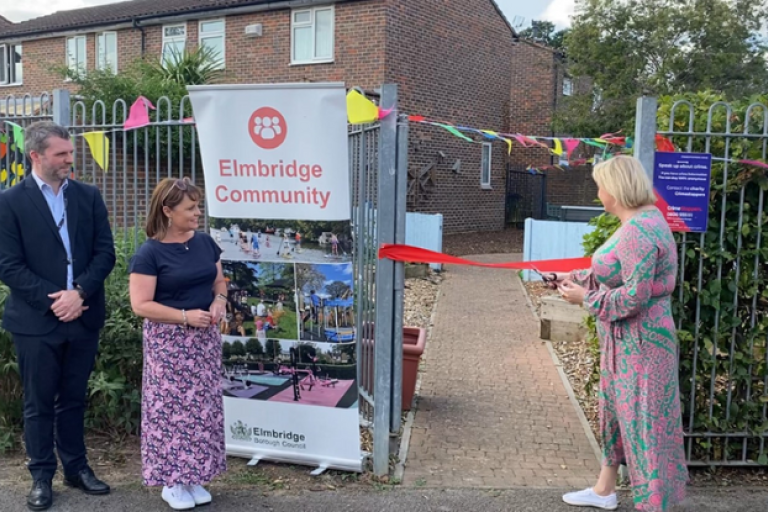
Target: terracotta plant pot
{"points": [[414, 340]]}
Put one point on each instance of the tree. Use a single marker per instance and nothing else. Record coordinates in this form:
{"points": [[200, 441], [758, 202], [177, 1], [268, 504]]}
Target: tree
{"points": [[272, 349], [634, 47], [308, 278], [253, 347], [337, 289], [544, 32], [238, 349], [226, 351]]}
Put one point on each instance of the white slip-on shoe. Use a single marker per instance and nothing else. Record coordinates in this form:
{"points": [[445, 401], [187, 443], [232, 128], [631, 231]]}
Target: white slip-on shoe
{"points": [[178, 498], [199, 494], [589, 498]]}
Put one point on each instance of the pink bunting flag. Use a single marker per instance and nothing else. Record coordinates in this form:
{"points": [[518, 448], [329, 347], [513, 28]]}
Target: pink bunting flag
{"points": [[188, 120], [570, 146], [754, 163], [384, 112], [139, 114]]}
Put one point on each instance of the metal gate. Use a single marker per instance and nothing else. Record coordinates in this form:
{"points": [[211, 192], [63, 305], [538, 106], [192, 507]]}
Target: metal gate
{"points": [[138, 159], [526, 196]]}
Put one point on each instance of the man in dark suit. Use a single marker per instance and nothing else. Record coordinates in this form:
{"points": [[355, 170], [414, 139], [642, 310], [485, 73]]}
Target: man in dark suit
{"points": [[56, 251]]}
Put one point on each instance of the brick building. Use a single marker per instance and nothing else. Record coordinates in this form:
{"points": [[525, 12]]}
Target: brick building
{"points": [[454, 60], [536, 96]]}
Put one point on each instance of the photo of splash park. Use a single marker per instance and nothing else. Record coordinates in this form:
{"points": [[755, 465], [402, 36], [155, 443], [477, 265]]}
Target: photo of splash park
{"points": [[289, 240], [317, 374], [261, 300], [326, 303]]}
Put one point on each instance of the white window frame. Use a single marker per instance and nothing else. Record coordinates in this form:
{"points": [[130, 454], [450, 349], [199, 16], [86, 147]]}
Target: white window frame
{"points": [[567, 86], [487, 147], [84, 67], [10, 76], [172, 39], [311, 23], [211, 35], [99, 63]]}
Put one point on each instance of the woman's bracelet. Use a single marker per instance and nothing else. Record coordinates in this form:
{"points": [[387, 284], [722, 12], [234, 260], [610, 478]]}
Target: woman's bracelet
{"points": [[221, 297], [184, 316]]}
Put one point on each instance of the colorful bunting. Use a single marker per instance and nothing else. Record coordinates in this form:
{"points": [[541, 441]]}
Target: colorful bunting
{"points": [[570, 146], [754, 163], [138, 116], [99, 144], [361, 110], [18, 135]]}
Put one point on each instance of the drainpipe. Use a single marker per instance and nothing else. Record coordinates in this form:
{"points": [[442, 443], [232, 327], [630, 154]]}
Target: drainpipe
{"points": [[143, 36]]}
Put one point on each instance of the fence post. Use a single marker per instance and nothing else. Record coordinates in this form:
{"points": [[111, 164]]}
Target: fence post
{"points": [[645, 133], [401, 177], [385, 268], [62, 114]]}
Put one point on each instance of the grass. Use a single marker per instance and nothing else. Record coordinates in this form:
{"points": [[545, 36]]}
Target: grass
{"points": [[289, 329]]}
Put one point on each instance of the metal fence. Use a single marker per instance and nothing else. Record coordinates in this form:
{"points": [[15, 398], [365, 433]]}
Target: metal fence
{"points": [[168, 147], [721, 310]]}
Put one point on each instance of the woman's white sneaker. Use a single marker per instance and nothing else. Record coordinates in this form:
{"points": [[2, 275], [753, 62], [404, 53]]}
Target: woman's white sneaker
{"points": [[589, 498], [199, 494], [178, 498]]}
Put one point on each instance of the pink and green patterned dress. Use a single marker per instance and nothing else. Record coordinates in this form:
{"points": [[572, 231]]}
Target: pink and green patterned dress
{"points": [[629, 293]]}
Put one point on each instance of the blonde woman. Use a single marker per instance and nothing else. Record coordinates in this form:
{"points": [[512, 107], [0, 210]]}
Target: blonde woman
{"points": [[628, 289]]}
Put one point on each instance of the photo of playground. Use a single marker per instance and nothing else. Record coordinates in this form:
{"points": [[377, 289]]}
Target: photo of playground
{"points": [[326, 303], [279, 241], [261, 300], [318, 374]]}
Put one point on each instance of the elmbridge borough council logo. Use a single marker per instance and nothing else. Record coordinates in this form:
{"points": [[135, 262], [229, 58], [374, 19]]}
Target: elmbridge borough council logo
{"points": [[267, 128], [241, 432]]}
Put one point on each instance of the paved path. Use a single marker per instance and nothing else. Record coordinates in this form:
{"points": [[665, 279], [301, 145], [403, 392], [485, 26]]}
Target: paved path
{"points": [[493, 411]]}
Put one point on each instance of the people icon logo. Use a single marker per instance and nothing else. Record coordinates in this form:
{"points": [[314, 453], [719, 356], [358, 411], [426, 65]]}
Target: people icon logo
{"points": [[267, 128]]}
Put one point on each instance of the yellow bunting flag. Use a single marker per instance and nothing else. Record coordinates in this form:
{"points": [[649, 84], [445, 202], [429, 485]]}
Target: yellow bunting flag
{"points": [[495, 134], [360, 110], [558, 147], [99, 144]]}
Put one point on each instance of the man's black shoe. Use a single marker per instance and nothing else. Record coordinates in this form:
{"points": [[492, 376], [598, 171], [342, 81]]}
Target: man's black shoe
{"points": [[87, 482], [41, 495]]}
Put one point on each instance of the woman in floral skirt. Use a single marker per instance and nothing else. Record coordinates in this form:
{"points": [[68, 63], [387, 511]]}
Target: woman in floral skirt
{"points": [[177, 285], [628, 290]]}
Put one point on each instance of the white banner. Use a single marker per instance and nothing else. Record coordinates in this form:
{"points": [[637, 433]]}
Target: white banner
{"points": [[277, 190], [274, 151]]}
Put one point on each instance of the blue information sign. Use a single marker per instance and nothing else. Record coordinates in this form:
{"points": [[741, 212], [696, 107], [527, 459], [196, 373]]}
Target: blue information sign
{"points": [[681, 182]]}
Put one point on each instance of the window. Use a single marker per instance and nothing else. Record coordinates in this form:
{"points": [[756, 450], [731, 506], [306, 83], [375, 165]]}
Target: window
{"points": [[106, 51], [76, 59], [10, 64], [174, 41], [567, 87], [312, 35], [212, 36], [485, 172]]}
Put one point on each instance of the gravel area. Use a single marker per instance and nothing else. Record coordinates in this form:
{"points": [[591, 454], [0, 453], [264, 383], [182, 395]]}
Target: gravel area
{"points": [[577, 365]]}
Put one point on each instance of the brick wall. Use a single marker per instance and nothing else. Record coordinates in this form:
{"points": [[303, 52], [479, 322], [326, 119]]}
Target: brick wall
{"points": [[452, 61], [537, 90]]}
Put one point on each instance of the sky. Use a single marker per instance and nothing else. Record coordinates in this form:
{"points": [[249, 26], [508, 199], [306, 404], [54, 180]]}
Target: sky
{"points": [[518, 12]]}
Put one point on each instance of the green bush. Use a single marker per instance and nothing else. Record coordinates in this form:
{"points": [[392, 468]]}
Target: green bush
{"points": [[733, 283], [115, 385]]}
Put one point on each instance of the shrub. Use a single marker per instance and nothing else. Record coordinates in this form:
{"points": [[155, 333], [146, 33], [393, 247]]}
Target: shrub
{"points": [[716, 319]]}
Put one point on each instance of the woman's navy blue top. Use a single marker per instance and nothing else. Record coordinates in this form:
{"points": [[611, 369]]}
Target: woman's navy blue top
{"points": [[185, 272]]}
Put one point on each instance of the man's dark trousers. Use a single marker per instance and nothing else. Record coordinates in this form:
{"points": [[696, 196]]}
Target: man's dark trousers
{"points": [[55, 369]]}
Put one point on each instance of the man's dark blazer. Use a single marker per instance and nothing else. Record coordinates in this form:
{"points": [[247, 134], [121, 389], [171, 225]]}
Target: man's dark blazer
{"points": [[33, 261]]}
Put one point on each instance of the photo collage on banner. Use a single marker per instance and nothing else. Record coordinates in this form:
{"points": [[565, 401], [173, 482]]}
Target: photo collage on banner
{"points": [[276, 165], [289, 332]]}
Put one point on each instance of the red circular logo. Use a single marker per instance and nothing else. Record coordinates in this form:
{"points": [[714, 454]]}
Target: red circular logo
{"points": [[267, 128]]}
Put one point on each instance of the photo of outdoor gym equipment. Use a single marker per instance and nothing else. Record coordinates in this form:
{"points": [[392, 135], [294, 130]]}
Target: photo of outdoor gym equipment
{"points": [[326, 303]]}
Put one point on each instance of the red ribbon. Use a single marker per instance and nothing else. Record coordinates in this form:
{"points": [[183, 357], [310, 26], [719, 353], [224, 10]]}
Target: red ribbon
{"points": [[410, 254]]}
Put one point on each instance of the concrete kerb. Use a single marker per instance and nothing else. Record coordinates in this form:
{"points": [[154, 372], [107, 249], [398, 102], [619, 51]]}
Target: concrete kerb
{"points": [[411, 416], [566, 383]]}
